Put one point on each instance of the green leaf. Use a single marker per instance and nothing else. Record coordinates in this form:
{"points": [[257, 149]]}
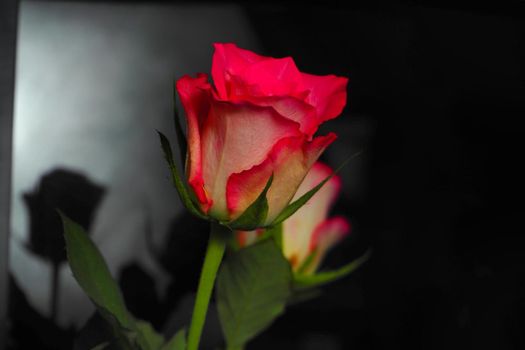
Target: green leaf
{"points": [[181, 138], [122, 337], [321, 278], [297, 204], [177, 342], [252, 289], [150, 339], [92, 273], [254, 216], [181, 187]]}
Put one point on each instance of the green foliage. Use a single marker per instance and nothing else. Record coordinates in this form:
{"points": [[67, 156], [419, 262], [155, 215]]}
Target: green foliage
{"points": [[307, 262], [254, 216], [92, 274], [150, 338], [321, 278], [253, 287], [177, 342], [275, 233], [184, 193]]}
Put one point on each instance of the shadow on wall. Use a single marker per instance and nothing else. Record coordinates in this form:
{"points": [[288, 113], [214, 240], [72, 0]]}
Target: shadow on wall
{"points": [[76, 196], [180, 256]]}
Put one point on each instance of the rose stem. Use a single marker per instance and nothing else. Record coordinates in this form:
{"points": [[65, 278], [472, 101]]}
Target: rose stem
{"points": [[212, 261]]}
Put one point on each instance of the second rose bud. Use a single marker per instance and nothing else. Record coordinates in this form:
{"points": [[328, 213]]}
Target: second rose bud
{"points": [[309, 233]]}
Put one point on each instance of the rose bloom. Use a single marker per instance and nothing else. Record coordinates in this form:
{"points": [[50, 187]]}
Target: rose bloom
{"points": [[258, 119], [308, 234]]}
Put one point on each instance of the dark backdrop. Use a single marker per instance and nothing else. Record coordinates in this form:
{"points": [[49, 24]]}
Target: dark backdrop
{"points": [[444, 85]]}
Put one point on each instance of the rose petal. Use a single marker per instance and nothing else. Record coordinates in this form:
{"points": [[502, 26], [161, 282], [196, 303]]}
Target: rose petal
{"points": [[299, 228], [241, 75], [327, 235], [272, 77], [289, 161], [327, 94], [235, 138], [230, 60], [195, 95], [237, 72], [285, 168], [291, 108], [326, 196]]}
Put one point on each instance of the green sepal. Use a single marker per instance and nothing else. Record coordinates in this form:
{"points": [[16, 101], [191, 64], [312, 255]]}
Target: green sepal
{"points": [[306, 263], [255, 215], [253, 287], [92, 274], [181, 187], [297, 204], [177, 342], [321, 278], [181, 137], [275, 233]]}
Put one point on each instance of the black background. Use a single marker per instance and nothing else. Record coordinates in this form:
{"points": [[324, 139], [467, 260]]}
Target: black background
{"points": [[445, 87]]}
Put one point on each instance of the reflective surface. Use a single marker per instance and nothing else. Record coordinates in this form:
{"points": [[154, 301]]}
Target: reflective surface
{"points": [[94, 81]]}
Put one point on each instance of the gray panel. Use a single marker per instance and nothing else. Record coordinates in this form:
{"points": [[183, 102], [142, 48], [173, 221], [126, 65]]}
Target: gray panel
{"points": [[94, 81], [8, 16]]}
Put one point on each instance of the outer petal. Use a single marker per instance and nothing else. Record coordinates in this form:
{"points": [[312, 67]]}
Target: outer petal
{"points": [[326, 236], [291, 108], [229, 60], [289, 161], [327, 94], [241, 75], [195, 97], [272, 77], [326, 196], [235, 138], [299, 228], [237, 72]]}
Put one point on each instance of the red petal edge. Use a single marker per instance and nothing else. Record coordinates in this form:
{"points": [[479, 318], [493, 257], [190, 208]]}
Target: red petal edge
{"points": [[195, 98], [338, 225], [290, 160]]}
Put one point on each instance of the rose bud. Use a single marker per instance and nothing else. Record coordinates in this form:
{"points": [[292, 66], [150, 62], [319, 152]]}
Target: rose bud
{"points": [[308, 234], [258, 119]]}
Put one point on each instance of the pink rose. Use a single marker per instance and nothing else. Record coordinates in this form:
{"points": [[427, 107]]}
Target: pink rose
{"points": [[309, 234], [258, 119]]}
